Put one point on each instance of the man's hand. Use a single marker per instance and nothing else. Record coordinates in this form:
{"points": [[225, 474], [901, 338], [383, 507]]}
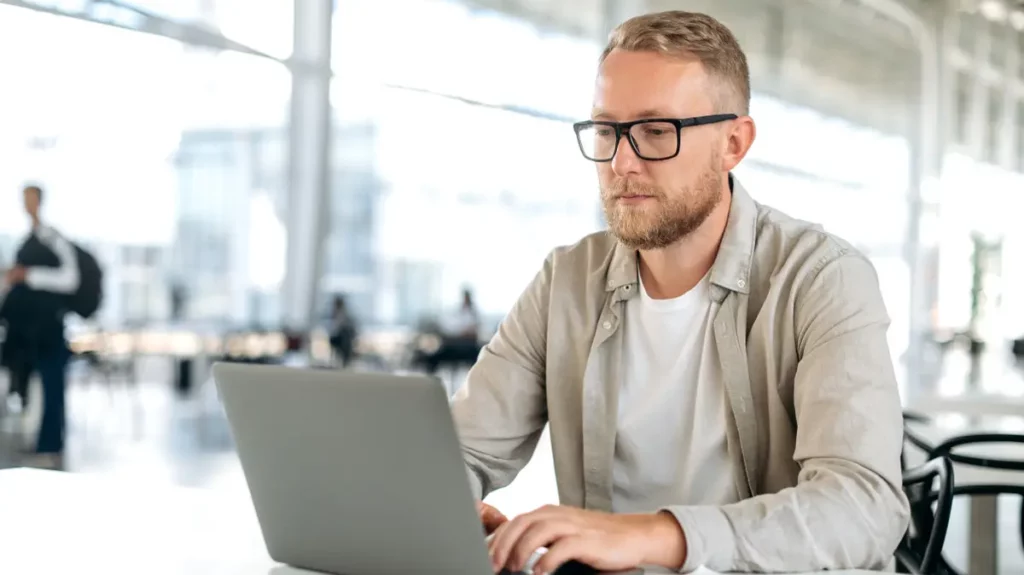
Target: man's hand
{"points": [[490, 517], [16, 275], [603, 541]]}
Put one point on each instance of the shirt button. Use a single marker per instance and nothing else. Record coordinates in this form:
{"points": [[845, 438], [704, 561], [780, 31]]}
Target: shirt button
{"points": [[741, 284], [607, 325]]}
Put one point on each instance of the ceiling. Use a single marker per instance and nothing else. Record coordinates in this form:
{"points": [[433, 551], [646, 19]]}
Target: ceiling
{"points": [[836, 56]]}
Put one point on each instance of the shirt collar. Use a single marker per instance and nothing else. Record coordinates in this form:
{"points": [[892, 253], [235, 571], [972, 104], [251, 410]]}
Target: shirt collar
{"points": [[731, 269]]}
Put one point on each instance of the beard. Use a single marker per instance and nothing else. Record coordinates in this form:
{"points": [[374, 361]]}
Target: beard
{"points": [[664, 219]]}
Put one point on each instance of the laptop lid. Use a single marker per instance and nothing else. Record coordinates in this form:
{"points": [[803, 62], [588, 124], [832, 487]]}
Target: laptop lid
{"points": [[353, 473]]}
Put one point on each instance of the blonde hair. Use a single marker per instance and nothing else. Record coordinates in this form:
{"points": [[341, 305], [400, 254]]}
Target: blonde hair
{"points": [[691, 35]]}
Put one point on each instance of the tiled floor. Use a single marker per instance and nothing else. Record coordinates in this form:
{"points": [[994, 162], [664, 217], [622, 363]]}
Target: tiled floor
{"points": [[144, 432], [149, 434]]}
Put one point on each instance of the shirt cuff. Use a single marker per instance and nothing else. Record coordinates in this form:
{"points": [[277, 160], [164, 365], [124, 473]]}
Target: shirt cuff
{"points": [[709, 537]]}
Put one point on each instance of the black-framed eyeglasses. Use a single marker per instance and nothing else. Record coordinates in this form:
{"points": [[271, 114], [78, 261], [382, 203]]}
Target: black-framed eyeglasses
{"points": [[653, 139]]}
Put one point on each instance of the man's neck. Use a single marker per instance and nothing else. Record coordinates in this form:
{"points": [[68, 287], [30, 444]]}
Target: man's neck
{"points": [[672, 271]]}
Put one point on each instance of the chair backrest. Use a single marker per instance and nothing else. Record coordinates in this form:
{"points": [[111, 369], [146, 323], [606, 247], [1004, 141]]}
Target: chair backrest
{"points": [[921, 549], [948, 449]]}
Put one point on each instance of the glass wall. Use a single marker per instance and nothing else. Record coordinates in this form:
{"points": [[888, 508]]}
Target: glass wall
{"points": [[981, 277], [855, 187], [479, 175], [453, 160], [163, 159], [476, 174], [479, 195]]}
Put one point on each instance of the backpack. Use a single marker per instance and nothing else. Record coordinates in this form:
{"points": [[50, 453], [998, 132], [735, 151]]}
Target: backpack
{"points": [[89, 295]]}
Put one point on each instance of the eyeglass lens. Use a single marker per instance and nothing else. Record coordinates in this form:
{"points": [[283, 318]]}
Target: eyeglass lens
{"points": [[654, 140]]}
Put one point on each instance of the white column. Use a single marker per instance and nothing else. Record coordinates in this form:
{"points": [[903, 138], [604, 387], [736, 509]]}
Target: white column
{"points": [[308, 159], [926, 153]]}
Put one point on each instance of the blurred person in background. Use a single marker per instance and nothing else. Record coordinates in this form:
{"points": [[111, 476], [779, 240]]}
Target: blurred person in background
{"points": [[179, 301], [19, 372], [343, 332], [715, 374], [464, 325], [458, 342], [44, 275]]}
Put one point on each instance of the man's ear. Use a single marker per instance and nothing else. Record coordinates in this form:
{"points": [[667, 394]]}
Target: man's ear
{"points": [[739, 137]]}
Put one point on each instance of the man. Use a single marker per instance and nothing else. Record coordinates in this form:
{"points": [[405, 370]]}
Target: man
{"points": [[715, 374], [344, 332], [45, 274]]}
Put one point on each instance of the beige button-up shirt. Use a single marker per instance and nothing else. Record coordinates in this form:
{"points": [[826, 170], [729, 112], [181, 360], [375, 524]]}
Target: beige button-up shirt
{"points": [[814, 420]]}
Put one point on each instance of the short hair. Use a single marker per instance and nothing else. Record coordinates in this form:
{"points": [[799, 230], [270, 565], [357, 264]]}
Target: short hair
{"points": [[691, 35], [34, 188]]}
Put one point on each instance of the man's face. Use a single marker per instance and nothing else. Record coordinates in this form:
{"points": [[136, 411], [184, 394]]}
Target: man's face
{"points": [[31, 197], [652, 204]]}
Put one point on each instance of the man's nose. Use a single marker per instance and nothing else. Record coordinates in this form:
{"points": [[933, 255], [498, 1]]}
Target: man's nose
{"points": [[625, 161]]}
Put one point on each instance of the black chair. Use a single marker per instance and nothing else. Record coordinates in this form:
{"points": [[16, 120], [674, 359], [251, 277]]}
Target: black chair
{"points": [[949, 449], [920, 552]]}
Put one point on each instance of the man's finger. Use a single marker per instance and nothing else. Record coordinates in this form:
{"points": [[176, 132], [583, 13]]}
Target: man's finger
{"points": [[493, 537], [506, 537], [542, 533], [563, 550], [490, 517], [492, 524]]}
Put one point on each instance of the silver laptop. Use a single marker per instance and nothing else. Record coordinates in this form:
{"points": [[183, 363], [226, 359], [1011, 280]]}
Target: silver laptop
{"points": [[355, 474]]}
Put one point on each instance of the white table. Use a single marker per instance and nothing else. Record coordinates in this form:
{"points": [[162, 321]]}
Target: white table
{"points": [[53, 523]]}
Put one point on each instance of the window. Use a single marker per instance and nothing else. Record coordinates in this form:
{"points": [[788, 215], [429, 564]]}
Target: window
{"points": [[994, 128], [963, 107], [967, 32], [1020, 136], [1001, 36], [1018, 38]]}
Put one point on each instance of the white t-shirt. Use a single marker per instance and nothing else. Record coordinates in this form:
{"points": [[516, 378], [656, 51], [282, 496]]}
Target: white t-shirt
{"points": [[671, 443]]}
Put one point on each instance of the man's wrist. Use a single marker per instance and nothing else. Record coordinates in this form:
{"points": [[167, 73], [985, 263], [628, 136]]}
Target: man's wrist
{"points": [[665, 541]]}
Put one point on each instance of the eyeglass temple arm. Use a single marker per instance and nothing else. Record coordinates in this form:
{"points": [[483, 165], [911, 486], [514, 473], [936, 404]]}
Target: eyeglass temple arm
{"points": [[712, 119]]}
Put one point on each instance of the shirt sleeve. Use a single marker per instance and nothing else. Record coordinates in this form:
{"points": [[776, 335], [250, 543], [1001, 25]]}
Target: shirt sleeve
{"points": [[501, 410], [848, 509], [62, 279]]}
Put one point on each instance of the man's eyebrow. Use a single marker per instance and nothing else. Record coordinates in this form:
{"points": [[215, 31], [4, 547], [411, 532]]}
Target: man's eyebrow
{"points": [[651, 114], [601, 115]]}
